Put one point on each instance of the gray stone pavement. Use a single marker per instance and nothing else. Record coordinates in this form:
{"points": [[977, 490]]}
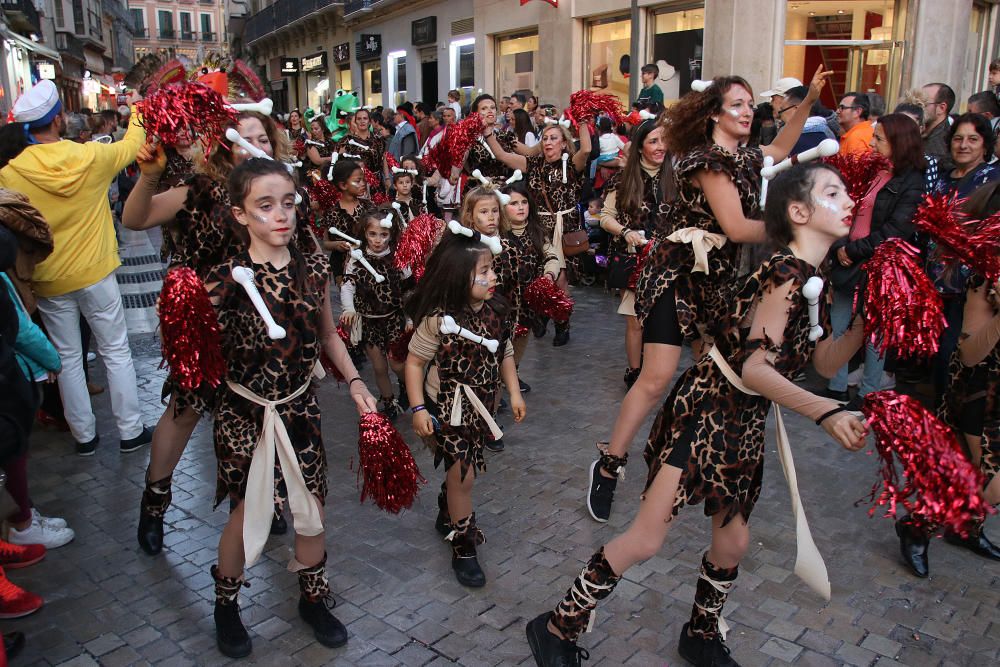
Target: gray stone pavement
{"points": [[109, 604]]}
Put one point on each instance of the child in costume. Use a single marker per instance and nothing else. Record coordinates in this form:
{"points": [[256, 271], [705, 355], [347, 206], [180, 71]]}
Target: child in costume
{"points": [[404, 180], [349, 179], [463, 334], [267, 411]]}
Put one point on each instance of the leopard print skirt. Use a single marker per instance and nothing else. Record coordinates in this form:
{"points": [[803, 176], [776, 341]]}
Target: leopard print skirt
{"points": [[202, 399], [462, 444], [381, 332]]}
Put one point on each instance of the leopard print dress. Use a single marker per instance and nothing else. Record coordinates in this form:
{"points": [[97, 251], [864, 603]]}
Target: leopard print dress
{"points": [[703, 300], [517, 265], [461, 361], [710, 429], [370, 152], [974, 388], [346, 222], [646, 219], [380, 305], [480, 156], [412, 209], [552, 195], [272, 369]]}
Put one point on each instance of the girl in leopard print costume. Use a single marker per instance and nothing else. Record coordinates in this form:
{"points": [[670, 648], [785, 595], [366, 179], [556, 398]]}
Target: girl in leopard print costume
{"points": [[373, 310], [345, 215], [267, 412], [463, 333], [707, 443]]}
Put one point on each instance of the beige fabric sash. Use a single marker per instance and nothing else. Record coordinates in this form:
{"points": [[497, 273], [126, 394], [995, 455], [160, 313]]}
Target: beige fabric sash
{"points": [[258, 504], [357, 328], [477, 406], [702, 242], [809, 565], [557, 234]]}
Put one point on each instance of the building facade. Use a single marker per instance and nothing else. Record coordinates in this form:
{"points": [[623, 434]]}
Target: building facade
{"points": [[389, 51], [189, 29]]}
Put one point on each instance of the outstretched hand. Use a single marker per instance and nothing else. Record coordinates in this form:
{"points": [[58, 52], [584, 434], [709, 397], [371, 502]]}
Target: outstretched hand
{"points": [[817, 84]]}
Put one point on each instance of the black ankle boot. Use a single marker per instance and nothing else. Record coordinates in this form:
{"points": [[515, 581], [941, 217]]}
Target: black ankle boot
{"points": [[464, 538], [230, 634], [702, 652], [150, 533], [328, 631], [549, 650], [913, 547], [443, 522], [561, 336], [279, 525], [976, 542]]}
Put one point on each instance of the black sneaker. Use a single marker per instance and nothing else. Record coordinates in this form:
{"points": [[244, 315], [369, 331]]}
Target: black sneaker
{"points": [[602, 493], [525, 387], [561, 337], [138, 441], [328, 631], [549, 650], [541, 327], [704, 652], [88, 448], [230, 633], [494, 445]]}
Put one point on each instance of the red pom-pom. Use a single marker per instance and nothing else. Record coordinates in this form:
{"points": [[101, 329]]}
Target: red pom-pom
{"points": [[520, 331], [330, 367], [972, 242], [903, 311], [457, 141], [416, 242], [941, 486], [399, 349], [344, 334], [192, 346], [189, 108], [299, 147], [390, 475], [371, 177], [324, 193], [585, 105], [391, 160], [380, 198], [546, 298], [640, 260], [860, 171]]}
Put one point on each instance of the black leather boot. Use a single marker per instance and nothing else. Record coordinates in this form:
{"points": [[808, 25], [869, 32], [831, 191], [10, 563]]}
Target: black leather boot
{"points": [[154, 504], [976, 542], [464, 538], [913, 543], [230, 633]]}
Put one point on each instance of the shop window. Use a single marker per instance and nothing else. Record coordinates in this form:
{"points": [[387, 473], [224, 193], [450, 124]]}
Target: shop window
{"points": [[397, 78], [345, 77], [515, 63], [608, 46], [462, 64], [371, 78], [677, 50]]}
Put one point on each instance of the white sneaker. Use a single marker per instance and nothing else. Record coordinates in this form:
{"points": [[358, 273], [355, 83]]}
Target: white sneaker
{"points": [[888, 381], [91, 356], [55, 522], [855, 376], [45, 534]]}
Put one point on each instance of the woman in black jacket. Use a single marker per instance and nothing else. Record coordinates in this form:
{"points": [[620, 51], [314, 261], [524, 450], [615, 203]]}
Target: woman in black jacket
{"points": [[885, 212]]}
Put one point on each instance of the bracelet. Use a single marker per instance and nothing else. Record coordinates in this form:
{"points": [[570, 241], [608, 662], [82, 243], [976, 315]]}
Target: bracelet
{"points": [[830, 413], [417, 408], [353, 380]]}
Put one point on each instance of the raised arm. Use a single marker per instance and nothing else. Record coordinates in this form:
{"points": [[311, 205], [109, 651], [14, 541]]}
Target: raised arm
{"points": [[724, 200], [586, 145], [144, 208], [512, 160], [789, 134], [116, 156]]}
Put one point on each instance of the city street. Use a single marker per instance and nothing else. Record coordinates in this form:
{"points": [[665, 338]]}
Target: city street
{"points": [[107, 603]]}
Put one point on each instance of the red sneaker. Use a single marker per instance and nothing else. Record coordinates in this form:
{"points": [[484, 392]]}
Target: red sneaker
{"points": [[16, 602], [14, 556]]}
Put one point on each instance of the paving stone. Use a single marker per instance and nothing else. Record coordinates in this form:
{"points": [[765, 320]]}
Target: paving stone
{"points": [[781, 649]]}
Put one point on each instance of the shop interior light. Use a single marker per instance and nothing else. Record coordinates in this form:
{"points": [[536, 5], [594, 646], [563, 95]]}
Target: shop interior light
{"points": [[453, 58]]}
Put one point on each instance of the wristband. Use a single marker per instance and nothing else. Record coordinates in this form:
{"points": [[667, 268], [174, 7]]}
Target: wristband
{"points": [[353, 380], [829, 413], [417, 408]]}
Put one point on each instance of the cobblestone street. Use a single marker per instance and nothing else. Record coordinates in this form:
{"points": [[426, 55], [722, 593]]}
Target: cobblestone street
{"points": [[109, 604]]}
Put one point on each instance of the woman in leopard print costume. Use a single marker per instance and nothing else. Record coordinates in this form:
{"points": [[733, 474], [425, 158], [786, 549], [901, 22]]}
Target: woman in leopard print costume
{"points": [[267, 410], [458, 287], [482, 156], [558, 177], [373, 310], [201, 233], [366, 147], [320, 151], [346, 214], [684, 292], [707, 443]]}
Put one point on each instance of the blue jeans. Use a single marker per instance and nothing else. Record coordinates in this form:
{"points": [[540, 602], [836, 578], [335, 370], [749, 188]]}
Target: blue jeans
{"points": [[840, 319]]}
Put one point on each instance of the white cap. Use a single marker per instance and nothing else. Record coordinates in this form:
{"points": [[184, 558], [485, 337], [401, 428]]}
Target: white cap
{"points": [[124, 110], [38, 105], [782, 86]]}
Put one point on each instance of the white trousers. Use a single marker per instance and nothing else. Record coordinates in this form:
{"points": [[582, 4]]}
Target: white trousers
{"points": [[101, 305]]}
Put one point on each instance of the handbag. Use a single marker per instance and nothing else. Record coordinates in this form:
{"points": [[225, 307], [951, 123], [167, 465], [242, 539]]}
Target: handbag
{"points": [[573, 243]]}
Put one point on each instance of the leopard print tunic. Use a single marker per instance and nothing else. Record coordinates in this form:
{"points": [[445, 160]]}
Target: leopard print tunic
{"points": [[415, 207], [379, 304], [645, 219], [370, 152], [712, 430], [970, 385], [346, 222], [461, 361], [517, 265], [272, 369], [480, 157], [703, 300], [178, 170]]}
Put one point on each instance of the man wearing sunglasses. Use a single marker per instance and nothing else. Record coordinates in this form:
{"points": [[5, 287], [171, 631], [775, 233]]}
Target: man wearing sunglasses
{"points": [[852, 113], [940, 100]]}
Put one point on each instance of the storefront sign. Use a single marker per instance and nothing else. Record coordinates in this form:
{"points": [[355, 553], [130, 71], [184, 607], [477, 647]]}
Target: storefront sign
{"points": [[424, 31], [369, 47], [46, 71], [342, 53], [289, 65], [314, 63]]}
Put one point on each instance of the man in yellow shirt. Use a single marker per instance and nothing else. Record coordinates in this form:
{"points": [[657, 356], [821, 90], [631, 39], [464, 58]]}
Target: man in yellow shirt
{"points": [[68, 183], [852, 114]]}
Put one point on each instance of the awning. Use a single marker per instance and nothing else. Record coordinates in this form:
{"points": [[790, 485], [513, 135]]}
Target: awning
{"points": [[34, 47]]}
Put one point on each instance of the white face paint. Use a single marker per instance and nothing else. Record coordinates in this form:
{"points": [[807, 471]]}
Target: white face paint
{"points": [[735, 113], [827, 204], [482, 282]]}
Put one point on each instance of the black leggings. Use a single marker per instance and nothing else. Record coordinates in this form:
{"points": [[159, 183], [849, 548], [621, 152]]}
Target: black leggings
{"points": [[661, 325]]}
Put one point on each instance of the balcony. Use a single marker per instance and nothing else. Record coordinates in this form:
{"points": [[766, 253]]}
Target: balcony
{"points": [[68, 45], [354, 7], [167, 33], [187, 36], [21, 15], [280, 15], [208, 37], [141, 33]]}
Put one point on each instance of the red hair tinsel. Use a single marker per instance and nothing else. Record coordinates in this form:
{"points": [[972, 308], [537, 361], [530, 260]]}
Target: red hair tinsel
{"points": [[902, 309], [940, 486], [546, 298], [389, 473], [189, 108], [416, 242], [192, 346]]}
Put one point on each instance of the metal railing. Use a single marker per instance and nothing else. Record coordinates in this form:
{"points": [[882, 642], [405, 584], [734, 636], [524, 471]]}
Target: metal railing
{"points": [[281, 14], [21, 14]]}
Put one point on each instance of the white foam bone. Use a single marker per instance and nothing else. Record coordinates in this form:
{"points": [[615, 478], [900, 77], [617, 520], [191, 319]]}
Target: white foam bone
{"points": [[811, 291], [360, 258], [245, 278], [450, 326]]}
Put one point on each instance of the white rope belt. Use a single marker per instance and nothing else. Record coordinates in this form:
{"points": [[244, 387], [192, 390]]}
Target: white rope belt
{"points": [[809, 565], [557, 233], [702, 242], [258, 503], [477, 406]]}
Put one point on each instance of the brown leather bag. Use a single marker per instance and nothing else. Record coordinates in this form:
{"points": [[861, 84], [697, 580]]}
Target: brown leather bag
{"points": [[573, 243]]}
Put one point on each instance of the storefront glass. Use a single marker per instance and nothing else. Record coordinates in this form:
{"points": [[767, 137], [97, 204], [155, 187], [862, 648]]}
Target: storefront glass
{"points": [[345, 77], [866, 58], [515, 63], [371, 76], [397, 78], [608, 46], [317, 90], [677, 49]]}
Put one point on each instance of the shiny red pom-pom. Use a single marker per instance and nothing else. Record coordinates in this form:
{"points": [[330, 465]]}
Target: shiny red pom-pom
{"points": [[380, 198], [974, 243], [389, 473], [520, 331], [192, 346], [457, 142], [399, 349], [546, 298], [187, 109], [391, 160], [324, 193], [640, 261], [939, 486], [585, 105], [416, 242], [902, 309], [330, 367], [859, 171], [344, 334]]}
